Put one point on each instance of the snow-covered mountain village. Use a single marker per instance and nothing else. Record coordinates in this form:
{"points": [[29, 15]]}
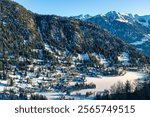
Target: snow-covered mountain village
{"points": [[48, 57]]}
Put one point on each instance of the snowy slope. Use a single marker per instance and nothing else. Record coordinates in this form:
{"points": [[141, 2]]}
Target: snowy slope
{"points": [[83, 17], [144, 20]]}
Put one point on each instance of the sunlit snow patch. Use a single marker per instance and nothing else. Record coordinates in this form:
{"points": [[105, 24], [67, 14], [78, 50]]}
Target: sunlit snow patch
{"points": [[124, 58], [143, 40], [83, 56]]}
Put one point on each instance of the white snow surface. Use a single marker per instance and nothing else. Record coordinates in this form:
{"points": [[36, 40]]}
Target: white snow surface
{"points": [[4, 23], [102, 59], [48, 48], [52, 95], [143, 40], [107, 81], [83, 17], [2, 85], [124, 57], [83, 56], [122, 20]]}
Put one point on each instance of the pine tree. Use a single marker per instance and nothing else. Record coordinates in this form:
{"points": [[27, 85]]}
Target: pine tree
{"points": [[10, 82], [128, 89]]}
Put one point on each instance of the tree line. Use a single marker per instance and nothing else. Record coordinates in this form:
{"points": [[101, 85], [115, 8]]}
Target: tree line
{"points": [[137, 90]]}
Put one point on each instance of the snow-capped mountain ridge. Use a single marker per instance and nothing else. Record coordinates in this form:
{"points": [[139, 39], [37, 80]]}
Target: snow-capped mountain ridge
{"points": [[82, 17], [122, 17], [144, 20], [131, 28]]}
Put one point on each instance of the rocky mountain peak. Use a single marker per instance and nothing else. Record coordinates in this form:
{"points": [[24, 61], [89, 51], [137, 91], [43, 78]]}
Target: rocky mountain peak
{"points": [[132, 29]]}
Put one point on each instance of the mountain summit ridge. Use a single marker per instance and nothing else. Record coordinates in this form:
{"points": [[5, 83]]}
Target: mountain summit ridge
{"points": [[133, 29]]}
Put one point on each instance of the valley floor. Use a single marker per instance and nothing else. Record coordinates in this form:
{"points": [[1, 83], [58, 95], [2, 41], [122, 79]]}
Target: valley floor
{"points": [[55, 93], [102, 83]]}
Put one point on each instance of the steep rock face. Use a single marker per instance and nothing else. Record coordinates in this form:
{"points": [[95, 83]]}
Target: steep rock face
{"points": [[127, 27], [32, 36]]}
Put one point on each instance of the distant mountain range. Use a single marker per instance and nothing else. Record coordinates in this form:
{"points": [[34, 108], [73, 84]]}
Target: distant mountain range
{"points": [[132, 29], [33, 36]]}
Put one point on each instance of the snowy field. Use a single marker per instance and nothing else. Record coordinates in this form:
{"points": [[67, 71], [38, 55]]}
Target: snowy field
{"points": [[106, 82], [101, 84]]}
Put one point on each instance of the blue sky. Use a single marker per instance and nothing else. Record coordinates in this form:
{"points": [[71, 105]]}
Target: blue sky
{"points": [[92, 7]]}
